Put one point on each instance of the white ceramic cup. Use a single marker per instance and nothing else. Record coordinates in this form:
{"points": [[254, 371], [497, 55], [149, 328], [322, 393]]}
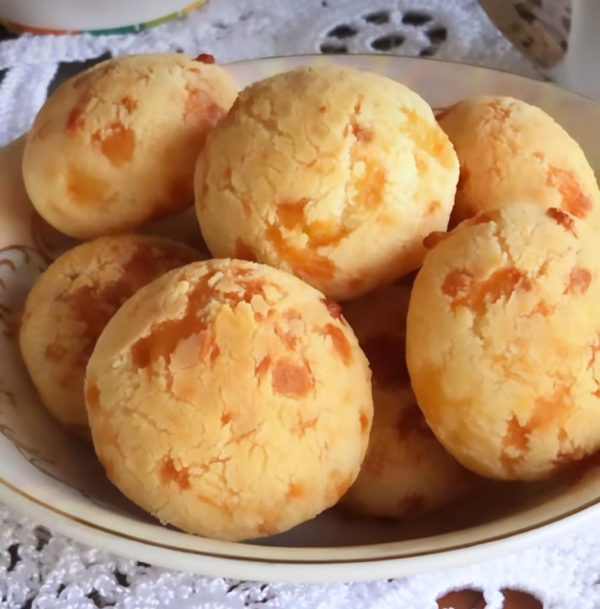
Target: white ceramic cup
{"points": [[87, 15], [561, 36]]}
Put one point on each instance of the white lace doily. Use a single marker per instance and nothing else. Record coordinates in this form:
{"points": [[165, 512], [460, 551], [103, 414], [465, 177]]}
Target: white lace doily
{"points": [[241, 29], [39, 570]]}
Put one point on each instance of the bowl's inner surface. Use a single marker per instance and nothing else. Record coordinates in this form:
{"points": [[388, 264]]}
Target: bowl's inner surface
{"points": [[38, 459]]}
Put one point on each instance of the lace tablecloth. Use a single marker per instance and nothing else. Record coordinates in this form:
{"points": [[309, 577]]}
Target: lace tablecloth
{"points": [[40, 570]]}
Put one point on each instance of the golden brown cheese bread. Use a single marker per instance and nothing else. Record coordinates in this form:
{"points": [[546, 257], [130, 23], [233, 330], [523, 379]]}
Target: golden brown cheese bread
{"points": [[503, 336], [511, 152], [115, 147], [406, 472], [71, 303], [230, 399], [332, 174]]}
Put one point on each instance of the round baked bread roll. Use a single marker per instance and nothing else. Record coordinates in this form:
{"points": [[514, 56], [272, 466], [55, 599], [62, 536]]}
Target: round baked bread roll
{"points": [[71, 303], [115, 147], [332, 174], [406, 471], [512, 152], [503, 338], [230, 399]]}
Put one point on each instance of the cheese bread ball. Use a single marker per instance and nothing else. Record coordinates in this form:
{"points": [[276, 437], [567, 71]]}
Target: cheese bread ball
{"points": [[115, 147], [513, 152], [230, 399], [503, 336], [406, 472], [332, 174], [71, 303]]}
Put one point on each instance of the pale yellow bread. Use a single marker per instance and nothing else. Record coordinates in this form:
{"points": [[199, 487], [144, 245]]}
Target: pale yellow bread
{"points": [[406, 472], [503, 336], [71, 303], [230, 399], [333, 174], [115, 147], [511, 152]]}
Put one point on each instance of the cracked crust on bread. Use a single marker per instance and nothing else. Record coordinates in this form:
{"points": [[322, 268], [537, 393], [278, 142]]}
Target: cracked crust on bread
{"points": [[511, 152], [502, 339], [72, 302], [230, 399], [115, 147], [332, 174]]}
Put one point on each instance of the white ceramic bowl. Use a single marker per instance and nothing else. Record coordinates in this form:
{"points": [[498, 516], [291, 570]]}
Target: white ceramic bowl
{"points": [[57, 481]]}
